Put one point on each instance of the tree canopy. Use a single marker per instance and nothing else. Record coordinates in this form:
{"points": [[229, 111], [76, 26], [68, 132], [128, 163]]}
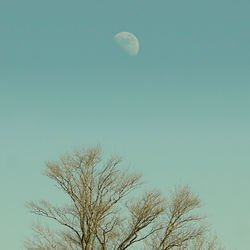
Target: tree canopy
{"points": [[103, 212]]}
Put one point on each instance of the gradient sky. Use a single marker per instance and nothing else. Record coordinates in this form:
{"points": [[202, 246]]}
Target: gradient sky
{"points": [[178, 111]]}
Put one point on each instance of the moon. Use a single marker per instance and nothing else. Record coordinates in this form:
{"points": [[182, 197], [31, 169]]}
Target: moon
{"points": [[128, 42]]}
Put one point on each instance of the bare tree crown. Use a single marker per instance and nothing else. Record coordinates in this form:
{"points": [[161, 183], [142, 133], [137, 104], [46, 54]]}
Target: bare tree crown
{"points": [[101, 214]]}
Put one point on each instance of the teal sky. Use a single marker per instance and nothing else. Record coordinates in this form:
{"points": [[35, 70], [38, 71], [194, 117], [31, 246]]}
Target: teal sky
{"points": [[178, 111]]}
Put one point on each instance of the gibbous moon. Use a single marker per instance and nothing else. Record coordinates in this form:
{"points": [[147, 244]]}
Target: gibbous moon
{"points": [[128, 42]]}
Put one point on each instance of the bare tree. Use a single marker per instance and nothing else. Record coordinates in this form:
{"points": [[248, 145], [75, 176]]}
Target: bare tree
{"points": [[102, 214]]}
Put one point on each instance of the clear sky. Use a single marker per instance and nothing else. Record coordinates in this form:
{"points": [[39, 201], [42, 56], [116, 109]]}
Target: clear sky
{"points": [[178, 111]]}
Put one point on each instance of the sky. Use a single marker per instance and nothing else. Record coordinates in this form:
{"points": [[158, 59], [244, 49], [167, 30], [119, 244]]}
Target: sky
{"points": [[178, 111]]}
